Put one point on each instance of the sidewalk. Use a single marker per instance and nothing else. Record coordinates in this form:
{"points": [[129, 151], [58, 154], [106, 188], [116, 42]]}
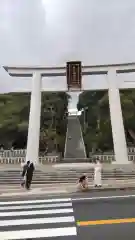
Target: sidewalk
{"points": [[58, 190], [18, 188]]}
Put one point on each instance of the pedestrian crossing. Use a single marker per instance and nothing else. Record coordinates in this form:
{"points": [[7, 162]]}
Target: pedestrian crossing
{"points": [[37, 219]]}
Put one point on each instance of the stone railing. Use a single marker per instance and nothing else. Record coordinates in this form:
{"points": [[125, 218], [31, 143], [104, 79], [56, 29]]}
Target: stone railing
{"points": [[56, 159], [21, 160], [111, 158], [22, 153], [131, 150], [13, 153], [18, 156]]}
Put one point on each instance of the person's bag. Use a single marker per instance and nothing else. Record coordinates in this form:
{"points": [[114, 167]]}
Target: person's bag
{"points": [[23, 181]]}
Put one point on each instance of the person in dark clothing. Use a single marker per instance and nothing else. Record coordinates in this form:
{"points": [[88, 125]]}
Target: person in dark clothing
{"points": [[29, 175], [25, 167]]}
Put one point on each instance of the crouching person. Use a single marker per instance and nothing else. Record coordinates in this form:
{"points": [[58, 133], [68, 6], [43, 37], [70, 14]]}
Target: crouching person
{"points": [[83, 183]]}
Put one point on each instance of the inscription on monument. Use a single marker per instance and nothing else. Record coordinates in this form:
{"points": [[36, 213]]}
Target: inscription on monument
{"points": [[74, 75]]}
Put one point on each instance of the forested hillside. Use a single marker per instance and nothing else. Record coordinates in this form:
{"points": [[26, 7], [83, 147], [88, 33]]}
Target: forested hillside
{"points": [[95, 118], [14, 115]]}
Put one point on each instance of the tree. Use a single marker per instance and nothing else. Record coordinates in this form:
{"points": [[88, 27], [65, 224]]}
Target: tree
{"points": [[54, 118], [14, 117], [14, 109], [98, 133]]}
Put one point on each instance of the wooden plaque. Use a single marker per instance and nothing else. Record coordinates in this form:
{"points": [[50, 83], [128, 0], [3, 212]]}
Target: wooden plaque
{"points": [[74, 75]]}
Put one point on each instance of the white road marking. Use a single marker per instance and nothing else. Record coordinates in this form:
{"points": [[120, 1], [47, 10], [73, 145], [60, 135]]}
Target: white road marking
{"points": [[36, 201], [38, 233], [55, 205], [42, 207], [37, 212], [18, 222], [102, 198]]}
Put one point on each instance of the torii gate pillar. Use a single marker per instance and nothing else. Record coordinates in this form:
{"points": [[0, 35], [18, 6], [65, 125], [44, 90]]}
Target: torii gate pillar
{"points": [[32, 152], [118, 132]]}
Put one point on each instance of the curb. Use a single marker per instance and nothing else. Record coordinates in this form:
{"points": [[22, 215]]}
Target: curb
{"points": [[63, 192], [108, 189], [32, 194]]}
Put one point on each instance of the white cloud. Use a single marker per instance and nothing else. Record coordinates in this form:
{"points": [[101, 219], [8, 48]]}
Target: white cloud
{"points": [[50, 32]]}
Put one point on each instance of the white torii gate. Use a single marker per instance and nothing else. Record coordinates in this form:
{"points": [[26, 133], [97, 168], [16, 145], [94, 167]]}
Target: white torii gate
{"points": [[111, 71]]}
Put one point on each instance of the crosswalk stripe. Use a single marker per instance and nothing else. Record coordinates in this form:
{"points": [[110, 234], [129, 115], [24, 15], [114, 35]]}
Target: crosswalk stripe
{"points": [[36, 212], [38, 233], [31, 221], [34, 219], [36, 201], [68, 204]]}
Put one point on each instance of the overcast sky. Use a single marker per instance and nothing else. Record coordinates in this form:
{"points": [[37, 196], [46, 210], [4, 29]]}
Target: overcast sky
{"points": [[51, 32]]}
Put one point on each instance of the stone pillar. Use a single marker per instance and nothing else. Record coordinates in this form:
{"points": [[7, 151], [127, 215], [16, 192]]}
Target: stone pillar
{"points": [[34, 120], [118, 132]]}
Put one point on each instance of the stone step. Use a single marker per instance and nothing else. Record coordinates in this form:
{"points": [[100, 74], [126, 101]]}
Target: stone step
{"points": [[62, 180], [76, 172], [92, 170], [66, 181], [59, 180], [43, 182], [67, 173], [70, 176], [65, 177], [37, 182]]}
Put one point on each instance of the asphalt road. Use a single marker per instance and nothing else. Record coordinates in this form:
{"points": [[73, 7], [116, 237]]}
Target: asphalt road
{"points": [[91, 216], [101, 217]]}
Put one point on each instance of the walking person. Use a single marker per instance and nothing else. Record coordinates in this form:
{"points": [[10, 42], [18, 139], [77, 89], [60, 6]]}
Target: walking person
{"points": [[25, 167], [97, 174], [29, 175]]}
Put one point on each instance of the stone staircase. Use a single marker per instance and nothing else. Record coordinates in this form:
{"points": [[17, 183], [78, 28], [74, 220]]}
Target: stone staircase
{"points": [[74, 146], [58, 176]]}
